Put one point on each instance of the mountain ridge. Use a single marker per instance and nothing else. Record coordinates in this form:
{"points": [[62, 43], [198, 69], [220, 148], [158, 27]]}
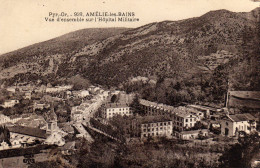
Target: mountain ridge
{"points": [[211, 45]]}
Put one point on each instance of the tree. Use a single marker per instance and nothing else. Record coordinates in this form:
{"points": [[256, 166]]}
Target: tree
{"points": [[135, 105], [4, 134], [199, 125], [79, 82], [114, 99], [241, 154]]}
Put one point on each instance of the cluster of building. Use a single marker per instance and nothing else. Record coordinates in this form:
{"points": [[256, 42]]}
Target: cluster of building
{"points": [[31, 128], [182, 120], [88, 107], [23, 136], [159, 120]]}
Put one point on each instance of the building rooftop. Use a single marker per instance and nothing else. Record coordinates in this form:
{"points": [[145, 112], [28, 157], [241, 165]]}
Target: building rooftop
{"points": [[35, 132], [116, 105], [78, 112], [201, 107], [182, 111], [246, 94], [249, 99], [156, 105], [241, 117]]}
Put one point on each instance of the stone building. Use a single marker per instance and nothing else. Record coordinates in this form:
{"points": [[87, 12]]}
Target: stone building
{"points": [[156, 127], [112, 109], [231, 125]]}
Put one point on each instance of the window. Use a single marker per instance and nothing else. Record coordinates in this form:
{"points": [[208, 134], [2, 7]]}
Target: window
{"points": [[187, 120], [160, 124], [144, 135], [144, 130], [191, 120], [164, 123], [49, 125]]}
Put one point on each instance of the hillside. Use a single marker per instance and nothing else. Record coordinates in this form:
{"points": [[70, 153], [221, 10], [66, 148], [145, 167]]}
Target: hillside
{"points": [[206, 52], [170, 49], [22, 60]]}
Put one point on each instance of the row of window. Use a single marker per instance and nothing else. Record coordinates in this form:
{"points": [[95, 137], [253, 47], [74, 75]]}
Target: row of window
{"points": [[153, 134], [123, 109], [177, 123], [187, 120], [155, 129], [177, 127], [157, 124], [155, 110], [181, 119], [127, 112], [186, 125]]}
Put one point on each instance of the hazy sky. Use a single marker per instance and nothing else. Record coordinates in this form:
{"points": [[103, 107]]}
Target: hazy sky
{"points": [[22, 21]]}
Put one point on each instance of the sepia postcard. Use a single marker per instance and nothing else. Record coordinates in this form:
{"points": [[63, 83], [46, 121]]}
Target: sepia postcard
{"points": [[130, 84]]}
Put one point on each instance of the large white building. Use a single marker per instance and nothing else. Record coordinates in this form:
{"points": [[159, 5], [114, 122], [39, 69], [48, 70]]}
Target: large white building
{"points": [[232, 124], [156, 128], [193, 134], [4, 119], [112, 109], [183, 119], [10, 103]]}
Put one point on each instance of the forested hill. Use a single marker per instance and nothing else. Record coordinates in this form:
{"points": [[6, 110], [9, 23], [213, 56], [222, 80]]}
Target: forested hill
{"points": [[197, 58]]}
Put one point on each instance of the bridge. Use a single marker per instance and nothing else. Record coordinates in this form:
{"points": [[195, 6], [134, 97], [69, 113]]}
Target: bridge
{"points": [[101, 132], [83, 132]]}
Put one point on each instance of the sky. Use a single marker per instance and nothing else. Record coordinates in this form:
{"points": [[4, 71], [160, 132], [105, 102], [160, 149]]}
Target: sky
{"points": [[22, 22]]}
